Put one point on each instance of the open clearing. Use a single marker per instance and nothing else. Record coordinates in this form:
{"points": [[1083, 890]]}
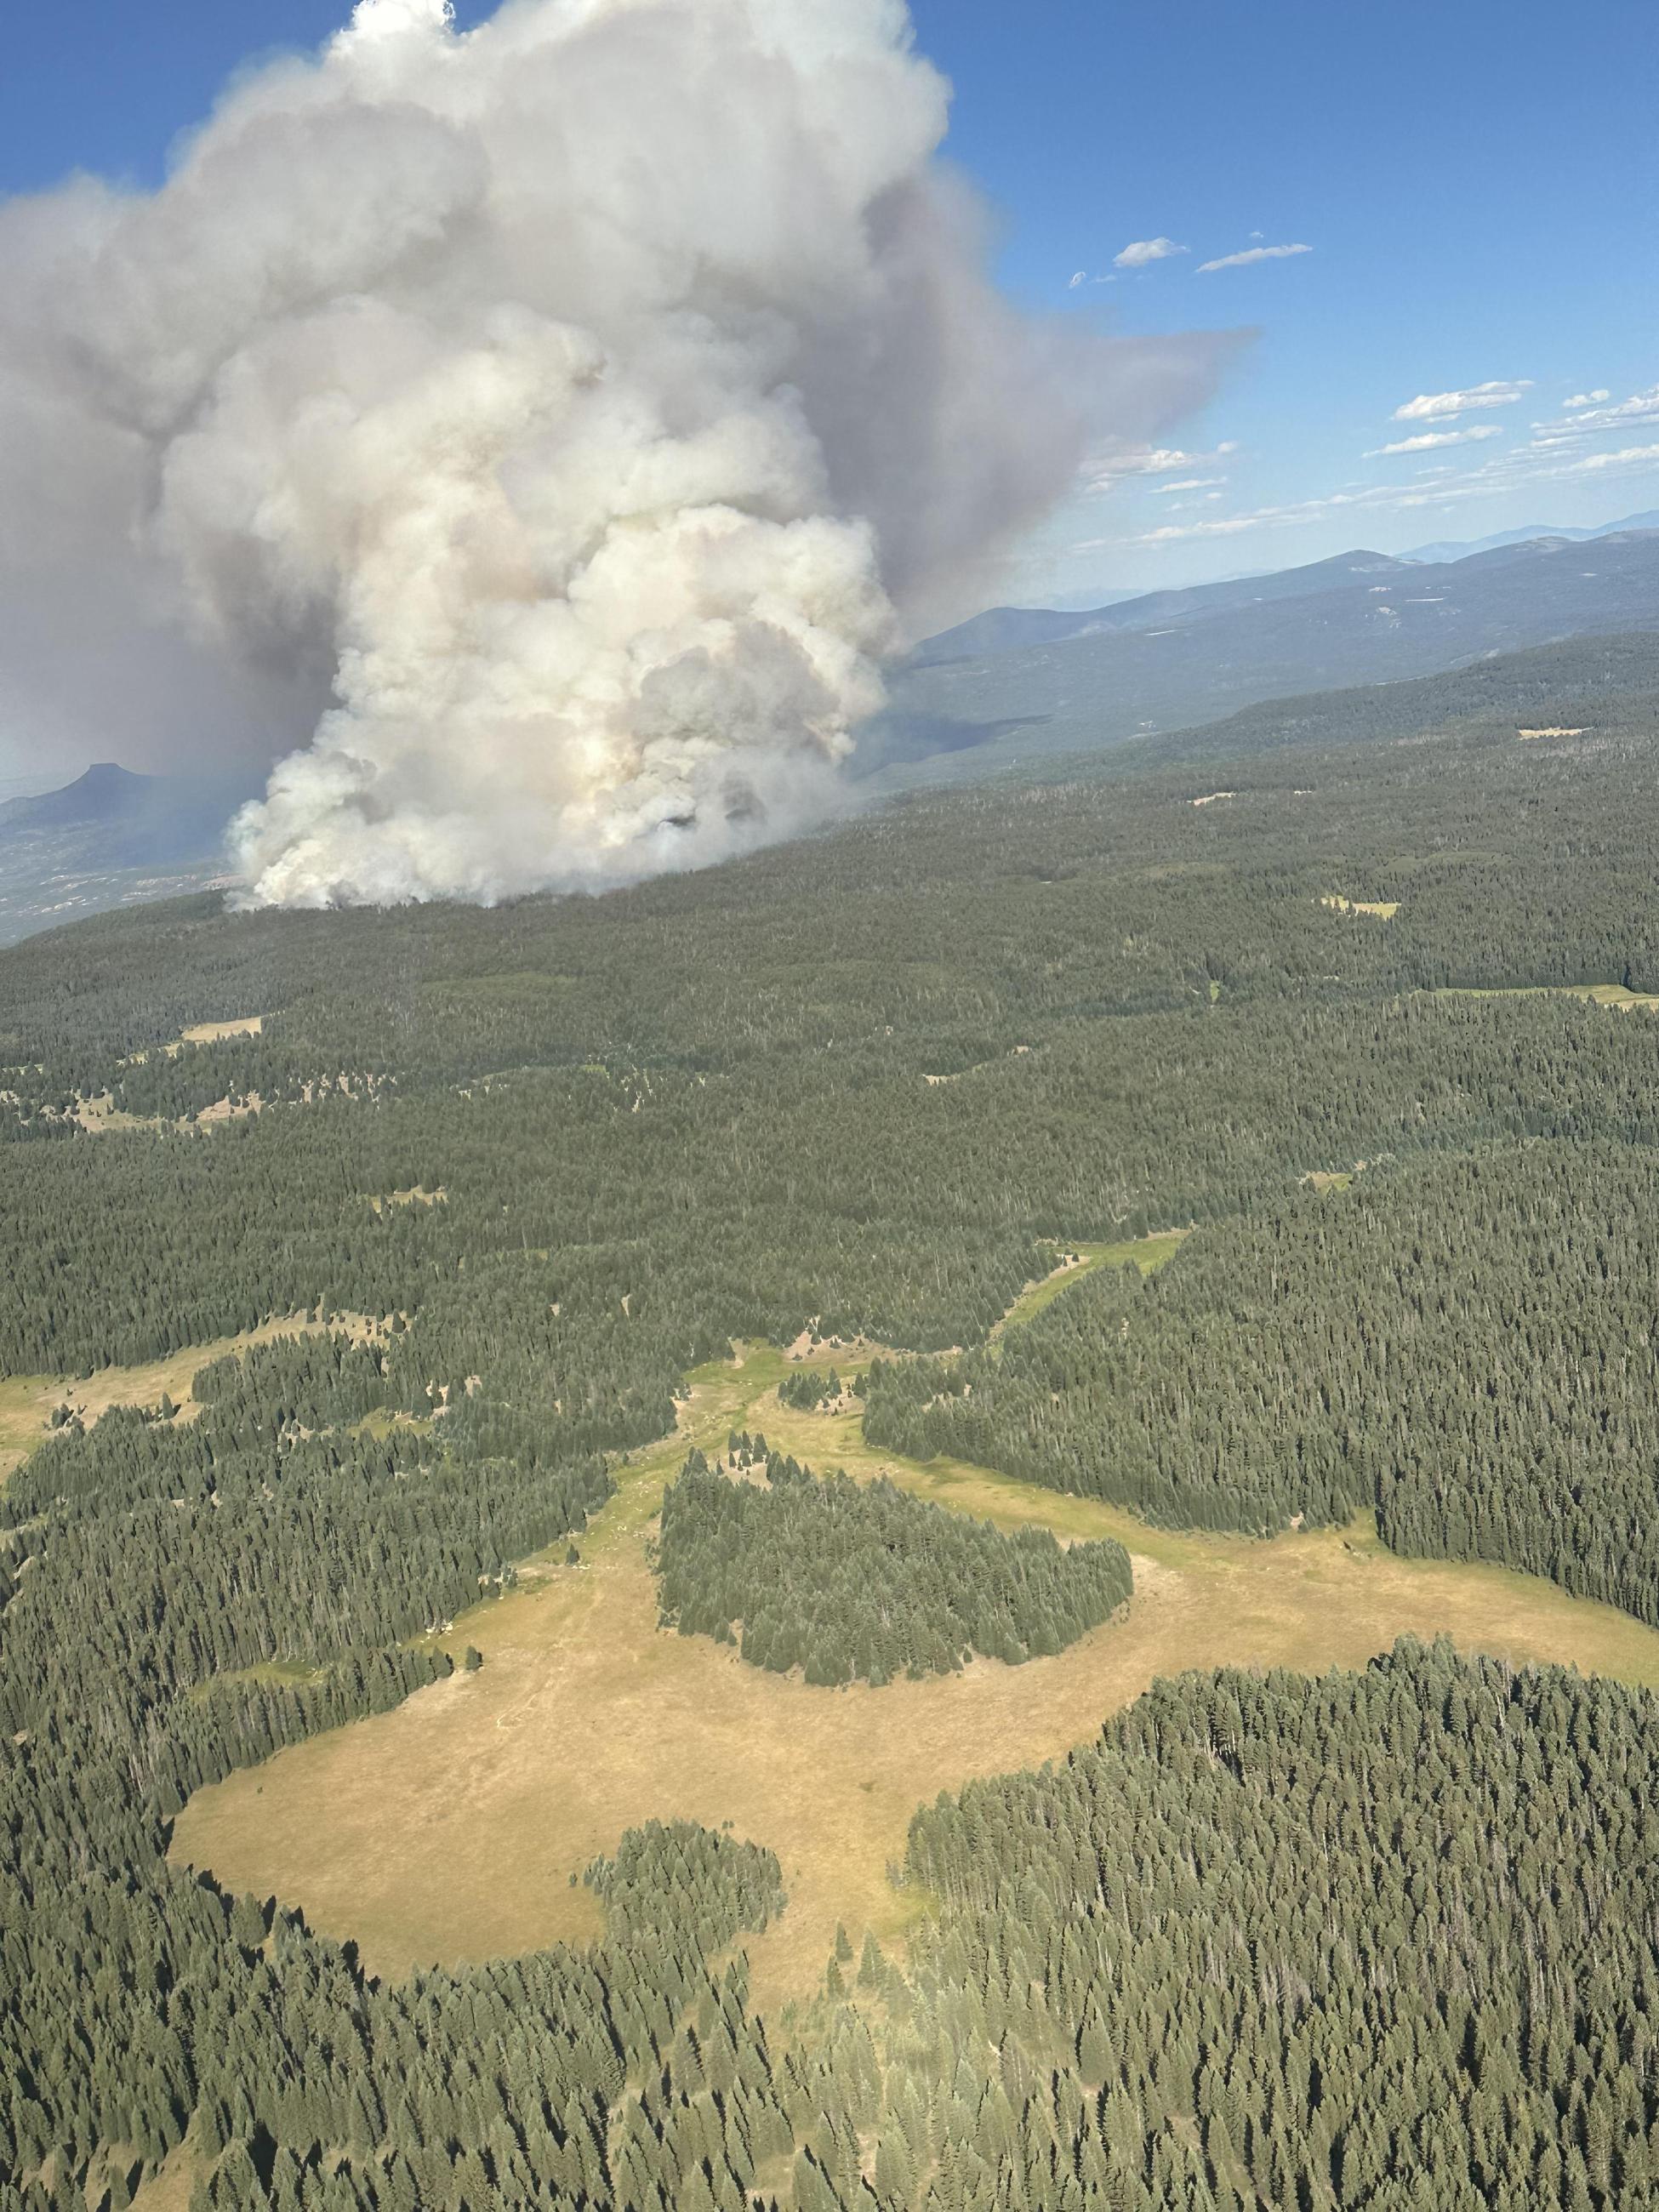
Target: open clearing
{"points": [[1383, 909], [210, 1032], [1146, 1253], [450, 1828], [1604, 994]]}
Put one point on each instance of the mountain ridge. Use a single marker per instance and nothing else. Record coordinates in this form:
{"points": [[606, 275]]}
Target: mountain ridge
{"points": [[1006, 629], [1389, 622]]}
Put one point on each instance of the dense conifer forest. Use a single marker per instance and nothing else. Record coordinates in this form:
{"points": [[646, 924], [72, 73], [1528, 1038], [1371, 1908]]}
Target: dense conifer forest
{"points": [[1466, 1345], [1379, 1941], [862, 1583]]}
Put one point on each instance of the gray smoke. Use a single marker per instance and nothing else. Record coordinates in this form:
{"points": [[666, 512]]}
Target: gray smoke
{"points": [[546, 430]]}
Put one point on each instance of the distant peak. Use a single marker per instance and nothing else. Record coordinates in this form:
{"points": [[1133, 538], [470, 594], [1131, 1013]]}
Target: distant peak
{"points": [[105, 772], [104, 793]]}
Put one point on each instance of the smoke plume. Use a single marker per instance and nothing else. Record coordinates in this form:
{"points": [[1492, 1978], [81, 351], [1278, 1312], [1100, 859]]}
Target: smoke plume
{"points": [[534, 439]]}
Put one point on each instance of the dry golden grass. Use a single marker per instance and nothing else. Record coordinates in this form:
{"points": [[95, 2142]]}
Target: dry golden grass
{"points": [[210, 1032], [1383, 909], [449, 1829], [1616, 994], [98, 1117], [1602, 995], [169, 2189], [416, 1195]]}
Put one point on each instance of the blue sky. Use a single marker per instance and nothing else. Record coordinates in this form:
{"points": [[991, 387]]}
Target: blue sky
{"points": [[1476, 181]]}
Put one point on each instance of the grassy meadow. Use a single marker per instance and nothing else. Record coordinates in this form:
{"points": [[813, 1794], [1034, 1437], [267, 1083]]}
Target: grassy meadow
{"points": [[450, 1828]]}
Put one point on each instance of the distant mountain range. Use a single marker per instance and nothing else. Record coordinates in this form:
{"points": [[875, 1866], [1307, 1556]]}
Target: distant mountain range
{"points": [[109, 837], [1018, 682], [1447, 552], [1007, 630]]}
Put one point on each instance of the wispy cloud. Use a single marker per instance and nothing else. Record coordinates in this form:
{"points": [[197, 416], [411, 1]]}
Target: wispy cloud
{"points": [[1442, 406], [1426, 441], [1116, 464], [1190, 483], [1509, 472], [1140, 251], [1631, 457], [1250, 253], [1081, 278], [1640, 407], [1586, 399]]}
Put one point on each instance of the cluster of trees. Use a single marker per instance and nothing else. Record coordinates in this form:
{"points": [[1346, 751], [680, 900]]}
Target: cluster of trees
{"points": [[1466, 1345], [567, 2078], [1381, 1939], [860, 1582], [810, 1390]]}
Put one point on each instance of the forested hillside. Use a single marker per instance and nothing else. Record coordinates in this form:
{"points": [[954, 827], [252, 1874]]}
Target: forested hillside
{"points": [[857, 1583], [516, 1173], [1585, 683]]}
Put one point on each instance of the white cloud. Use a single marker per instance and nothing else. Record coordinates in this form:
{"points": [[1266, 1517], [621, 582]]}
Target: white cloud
{"points": [[1640, 407], [1081, 278], [1586, 399], [1426, 441], [1116, 464], [1506, 473], [1509, 469], [1250, 253], [1595, 421], [1631, 456], [1140, 251], [1191, 483], [1441, 406]]}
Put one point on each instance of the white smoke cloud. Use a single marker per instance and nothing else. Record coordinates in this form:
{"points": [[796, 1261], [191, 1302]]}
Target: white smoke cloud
{"points": [[544, 432]]}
